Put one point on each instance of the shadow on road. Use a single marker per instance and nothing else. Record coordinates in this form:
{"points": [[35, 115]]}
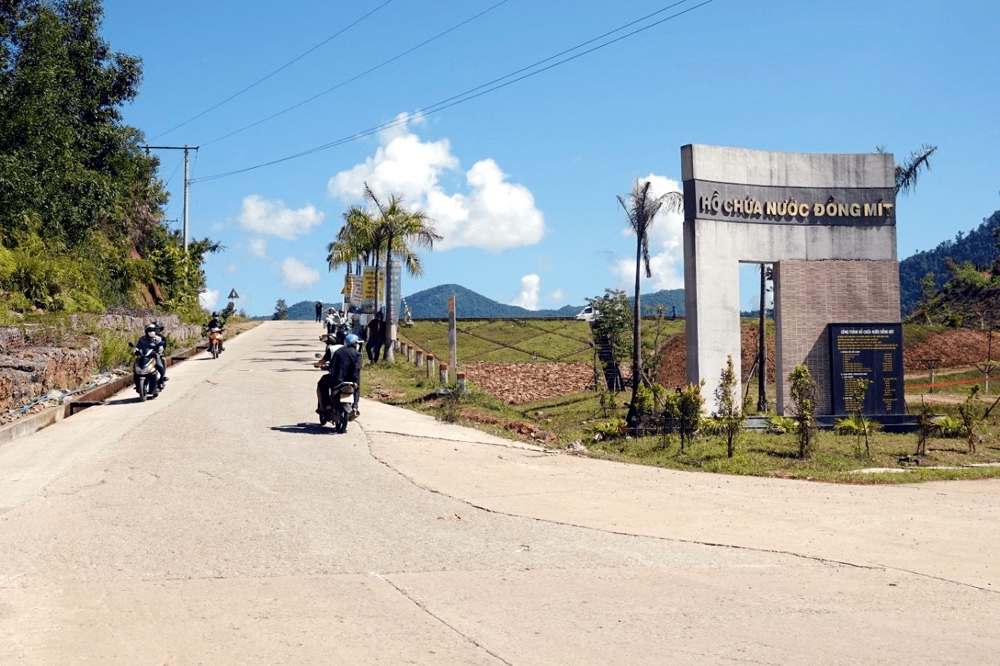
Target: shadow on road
{"points": [[306, 428]]}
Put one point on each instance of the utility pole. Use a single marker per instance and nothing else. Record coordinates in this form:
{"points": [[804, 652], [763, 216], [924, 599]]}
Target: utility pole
{"points": [[187, 181]]}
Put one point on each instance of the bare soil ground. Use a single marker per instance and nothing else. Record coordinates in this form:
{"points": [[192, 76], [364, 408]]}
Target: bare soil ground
{"points": [[673, 356], [951, 348], [519, 383]]}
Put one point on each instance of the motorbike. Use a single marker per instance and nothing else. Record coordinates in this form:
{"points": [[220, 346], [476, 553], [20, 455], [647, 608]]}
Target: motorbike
{"points": [[215, 342], [338, 406], [145, 375]]}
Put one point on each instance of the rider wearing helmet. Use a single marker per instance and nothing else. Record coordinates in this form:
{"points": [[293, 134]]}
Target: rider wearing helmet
{"points": [[346, 366], [152, 340], [216, 323]]}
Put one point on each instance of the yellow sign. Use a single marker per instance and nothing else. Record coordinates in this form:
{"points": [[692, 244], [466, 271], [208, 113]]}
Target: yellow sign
{"points": [[368, 287]]}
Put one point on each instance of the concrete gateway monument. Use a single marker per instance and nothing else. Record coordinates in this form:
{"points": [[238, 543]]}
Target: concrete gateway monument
{"points": [[828, 224]]}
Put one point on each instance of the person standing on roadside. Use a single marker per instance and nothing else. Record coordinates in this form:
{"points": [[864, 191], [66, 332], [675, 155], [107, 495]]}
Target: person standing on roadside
{"points": [[376, 337], [319, 310]]}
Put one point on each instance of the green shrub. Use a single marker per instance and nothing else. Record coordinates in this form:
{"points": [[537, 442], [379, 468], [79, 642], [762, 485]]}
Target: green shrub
{"points": [[781, 425], [856, 424], [114, 351], [948, 426], [611, 429]]}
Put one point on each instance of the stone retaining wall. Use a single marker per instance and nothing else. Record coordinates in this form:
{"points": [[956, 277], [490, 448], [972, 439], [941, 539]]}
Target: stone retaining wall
{"points": [[35, 359]]}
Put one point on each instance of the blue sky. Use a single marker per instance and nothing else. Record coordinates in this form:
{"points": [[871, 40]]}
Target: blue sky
{"points": [[522, 181]]}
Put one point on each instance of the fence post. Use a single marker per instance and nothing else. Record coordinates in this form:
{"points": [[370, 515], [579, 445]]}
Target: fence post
{"points": [[443, 373], [420, 357], [460, 377], [430, 365]]}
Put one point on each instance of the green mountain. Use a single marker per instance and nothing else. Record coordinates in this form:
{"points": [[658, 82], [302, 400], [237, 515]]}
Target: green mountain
{"points": [[433, 303], [978, 246]]}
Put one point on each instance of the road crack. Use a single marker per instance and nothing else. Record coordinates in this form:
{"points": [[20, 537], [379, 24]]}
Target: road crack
{"points": [[441, 620]]}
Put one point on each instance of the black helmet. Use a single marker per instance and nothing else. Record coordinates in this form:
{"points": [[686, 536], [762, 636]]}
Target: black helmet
{"points": [[215, 314]]}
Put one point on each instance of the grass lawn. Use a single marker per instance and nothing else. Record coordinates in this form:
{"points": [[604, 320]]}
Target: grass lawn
{"points": [[559, 421]]}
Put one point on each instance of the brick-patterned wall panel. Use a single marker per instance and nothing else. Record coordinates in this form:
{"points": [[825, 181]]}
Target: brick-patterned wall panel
{"points": [[812, 294]]}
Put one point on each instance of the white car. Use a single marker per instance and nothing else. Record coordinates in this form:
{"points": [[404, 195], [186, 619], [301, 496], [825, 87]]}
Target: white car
{"points": [[587, 314]]}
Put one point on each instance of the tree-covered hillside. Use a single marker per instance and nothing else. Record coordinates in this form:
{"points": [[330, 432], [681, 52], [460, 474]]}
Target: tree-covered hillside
{"points": [[80, 204], [977, 247]]}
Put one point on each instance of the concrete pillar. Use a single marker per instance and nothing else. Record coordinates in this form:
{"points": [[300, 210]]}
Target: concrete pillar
{"points": [[461, 381], [430, 365], [443, 373], [420, 358]]}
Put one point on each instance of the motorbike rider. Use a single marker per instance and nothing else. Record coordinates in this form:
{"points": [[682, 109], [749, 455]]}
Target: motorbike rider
{"points": [[346, 366], [325, 383], [151, 340], [333, 321], [216, 323]]}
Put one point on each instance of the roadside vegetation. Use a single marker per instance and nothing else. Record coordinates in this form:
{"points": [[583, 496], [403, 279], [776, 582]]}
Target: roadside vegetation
{"points": [[81, 206], [675, 436]]}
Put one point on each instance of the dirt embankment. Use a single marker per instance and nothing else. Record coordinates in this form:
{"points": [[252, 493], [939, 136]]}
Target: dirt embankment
{"points": [[673, 356], [950, 348], [520, 383]]}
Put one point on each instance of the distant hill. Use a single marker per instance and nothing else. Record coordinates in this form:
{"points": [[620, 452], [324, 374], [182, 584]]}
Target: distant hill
{"points": [[433, 303], [978, 246]]}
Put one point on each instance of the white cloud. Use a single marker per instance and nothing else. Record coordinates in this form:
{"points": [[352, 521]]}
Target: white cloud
{"points": [[274, 218], [208, 299], [296, 275], [666, 246], [493, 214], [528, 297], [257, 247], [557, 296]]}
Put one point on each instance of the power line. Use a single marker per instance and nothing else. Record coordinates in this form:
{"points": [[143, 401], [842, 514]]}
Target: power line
{"points": [[357, 76], [478, 91], [265, 78]]}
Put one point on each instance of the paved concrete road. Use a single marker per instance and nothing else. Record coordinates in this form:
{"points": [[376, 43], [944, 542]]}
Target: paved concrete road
{"points": [[218, 525]]}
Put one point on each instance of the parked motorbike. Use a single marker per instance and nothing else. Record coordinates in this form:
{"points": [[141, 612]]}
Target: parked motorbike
{"points": [[145, 375], [215, 342]]}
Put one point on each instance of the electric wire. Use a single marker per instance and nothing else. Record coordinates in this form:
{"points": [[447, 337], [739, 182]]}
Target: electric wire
{"points": [[473, 93], [265, 78], [173, 172], [356, 77]]}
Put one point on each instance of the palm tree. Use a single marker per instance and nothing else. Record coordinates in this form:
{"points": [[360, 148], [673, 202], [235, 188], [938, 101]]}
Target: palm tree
{"points": [[908, 172], [355, 243], [400, 227], [641, 207]]}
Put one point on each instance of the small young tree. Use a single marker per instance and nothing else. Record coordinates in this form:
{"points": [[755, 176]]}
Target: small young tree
{"points": [[803, 393], [612, 322], [280, 310], [971, 414], [682, 412], [858, 392], [728, 413], [925, 426]]}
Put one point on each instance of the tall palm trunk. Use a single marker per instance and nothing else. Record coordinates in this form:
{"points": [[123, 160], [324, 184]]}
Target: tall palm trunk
{"points": [[636, 337]]}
